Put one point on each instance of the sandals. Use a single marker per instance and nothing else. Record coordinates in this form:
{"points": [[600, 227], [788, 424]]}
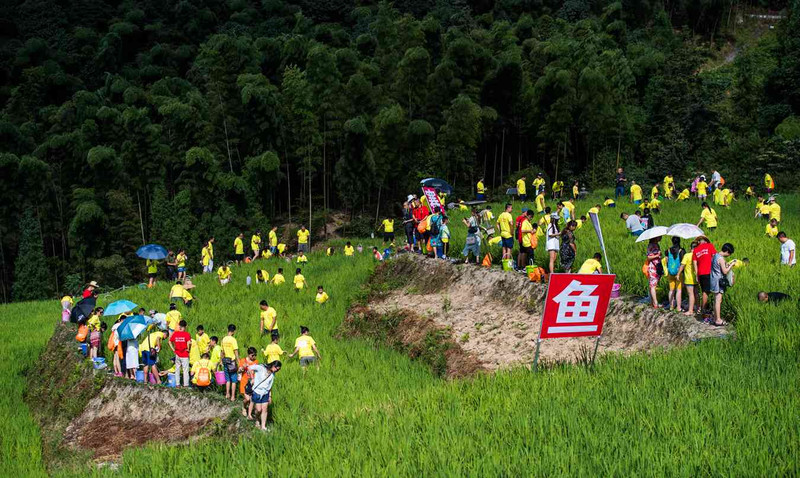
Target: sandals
{"points": [[721, 324]]}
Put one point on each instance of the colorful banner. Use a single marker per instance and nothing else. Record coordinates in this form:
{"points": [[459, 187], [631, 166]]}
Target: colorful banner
{"points": [[433, 199]]}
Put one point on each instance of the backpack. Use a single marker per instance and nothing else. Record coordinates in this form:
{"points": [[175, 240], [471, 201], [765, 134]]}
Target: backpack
{"points": [[435, 227], [203, 377], [110, 345], [487, 261], [673, 263], [83, 331]]}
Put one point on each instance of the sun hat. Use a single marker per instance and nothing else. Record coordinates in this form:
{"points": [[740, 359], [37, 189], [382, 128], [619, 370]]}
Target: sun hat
{"points": [[93, 284]]}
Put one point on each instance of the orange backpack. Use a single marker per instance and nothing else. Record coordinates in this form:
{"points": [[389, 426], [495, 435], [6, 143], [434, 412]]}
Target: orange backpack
{"points": [[83, 331], [487, 260], [110, 344], [203, 377], [537, 275]]}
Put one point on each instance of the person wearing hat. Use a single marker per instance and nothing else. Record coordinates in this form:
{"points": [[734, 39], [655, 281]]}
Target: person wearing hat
{"points": [[538, 184], [481, 191], [90, 288]]}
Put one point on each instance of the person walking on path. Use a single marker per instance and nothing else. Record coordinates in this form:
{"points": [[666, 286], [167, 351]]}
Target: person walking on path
{"points": [[719, 283]]}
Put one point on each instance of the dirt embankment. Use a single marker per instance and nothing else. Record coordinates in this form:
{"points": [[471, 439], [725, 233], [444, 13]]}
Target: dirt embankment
{"points": [[492, 318], [87, 415]]}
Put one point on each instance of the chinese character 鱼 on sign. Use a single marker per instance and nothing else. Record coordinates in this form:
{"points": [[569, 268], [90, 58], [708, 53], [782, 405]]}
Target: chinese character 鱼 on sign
{"points": [[576, 305]]}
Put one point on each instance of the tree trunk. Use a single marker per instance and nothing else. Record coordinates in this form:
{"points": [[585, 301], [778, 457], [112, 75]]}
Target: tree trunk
{"points": [[378, 209], [141, 220], [225, 125], [503, 150], [324, 175]]}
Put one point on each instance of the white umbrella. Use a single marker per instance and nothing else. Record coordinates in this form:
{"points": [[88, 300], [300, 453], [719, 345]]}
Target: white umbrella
{"points": [[685, 230], [657, 231]]}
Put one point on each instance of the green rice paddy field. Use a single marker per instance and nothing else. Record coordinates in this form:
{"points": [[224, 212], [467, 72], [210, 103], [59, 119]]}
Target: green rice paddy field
{"points": [[726, 407]]}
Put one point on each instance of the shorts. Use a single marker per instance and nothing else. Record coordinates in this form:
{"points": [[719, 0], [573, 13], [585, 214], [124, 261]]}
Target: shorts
{"points": [[674, 282], [307, 360], [388, 237], [273, 250], [152, 275], [231, 377], [480, 196], [149, 358], [612, 205], [224, 281], [716, 287], [94, 339], [525, 250], [523, 197], [181, 269], [238, 257], [302, 247], [259, 399], [508, 242], [637, 201], [637, 233], [176, 299], [705, 282], [189, 303]]}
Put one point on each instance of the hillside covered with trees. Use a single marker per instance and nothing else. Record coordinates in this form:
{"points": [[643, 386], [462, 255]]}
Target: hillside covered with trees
{"points": [[126, 122]]}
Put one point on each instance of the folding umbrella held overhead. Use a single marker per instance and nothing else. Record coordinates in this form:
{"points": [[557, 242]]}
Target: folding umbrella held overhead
{"points": [[118, 307], [439, 184], [152, 251], [651, 233], [685, 230], [132, 327], [83, 309]]}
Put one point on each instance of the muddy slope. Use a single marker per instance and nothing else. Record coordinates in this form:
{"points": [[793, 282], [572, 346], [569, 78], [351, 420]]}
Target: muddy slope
{"points": [[494, 316], [87, 415]]}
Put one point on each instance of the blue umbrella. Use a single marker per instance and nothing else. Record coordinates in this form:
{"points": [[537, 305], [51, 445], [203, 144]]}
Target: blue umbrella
{"points": [[439, 184], [118, 307], [152, 251], [132, 327]]}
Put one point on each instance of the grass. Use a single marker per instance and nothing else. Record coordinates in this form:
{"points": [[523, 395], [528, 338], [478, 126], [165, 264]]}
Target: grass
{"points": [[727, 407]]}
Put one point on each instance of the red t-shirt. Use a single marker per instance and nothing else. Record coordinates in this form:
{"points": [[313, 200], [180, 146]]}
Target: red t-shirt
{"points": [[87, 293], [703, 255], [180, 339], [420, 213]]}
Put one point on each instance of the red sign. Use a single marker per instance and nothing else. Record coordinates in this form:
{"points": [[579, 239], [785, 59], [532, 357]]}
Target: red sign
{"points": [[576, 305], [433, 199]]}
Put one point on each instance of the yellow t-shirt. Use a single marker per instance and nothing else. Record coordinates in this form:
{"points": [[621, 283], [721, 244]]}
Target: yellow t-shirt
{"points": [[273, 239], [187, 296], [727, 197], [636, 192], [505, 221], [749, 191], [229, 346], [199, 364], [201, 343], [571, 208], [775, 212], [590, 266], [718, 194], [176, 291], [521, 187], [278, 279], [388, 225], [206, 256], [264, 276], [216, 355], [267, 316], [654, 192], [594, 210], [702, 188], [281, 248], [544, 222], [768, 182], [322, 297], [771, 231], [151, 341], [540, 203], [349, 250], [537, 183], [684, 195], [608, 202], [299, 281], [302, 236], [575, 191], [481, 188], [173, 318], [255, 242], [238, 246], [94, 322], [152, 266], [668, 180], [710, 216], [224, 272], [579, 224], [302, 259], [181, 260], [273, 352], [266, 253], [304, 344], [526, 237], [688, 269]]}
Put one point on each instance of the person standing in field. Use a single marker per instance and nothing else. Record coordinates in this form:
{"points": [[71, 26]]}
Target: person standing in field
{"points": [[238, 249], [654, 192], [654, 269], [621, 180], [306, 349], [263, 378], [575, 191], [480, 190], [568, 248], [702, 189], [172, 264], [224, 274], [553, 234], [408, 223], [180, 342], [774, 209], [719, 269], [709, 215], [180, 264], [788, 250], [244, 377], [152, 272], [688, 276], [769, 184], [522, 193], [299, 281], [272, 237], [149, 349], [472, 244], [669, 186], [538, 184], [716, 178], [674, 258], [255, 244], [388, 231], [527, 241], [208, 256], [636, 193], [273, 351], [540, 203], [504, 223], [445, 237], [278, 278], [230, 359], [268, 319], [701, 258], [303, 237]]}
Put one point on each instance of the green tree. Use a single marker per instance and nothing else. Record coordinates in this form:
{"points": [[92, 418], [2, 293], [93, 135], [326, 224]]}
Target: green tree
{"points": [[31, 279]]}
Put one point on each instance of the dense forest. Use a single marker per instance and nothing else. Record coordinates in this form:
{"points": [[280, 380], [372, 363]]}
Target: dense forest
{"points": [[126, 122]]}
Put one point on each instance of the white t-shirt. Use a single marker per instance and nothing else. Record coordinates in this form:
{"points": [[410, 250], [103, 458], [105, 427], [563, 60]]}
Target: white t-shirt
{"points": [[261, 382], [552, 242], [786, 250], [634, 223]]}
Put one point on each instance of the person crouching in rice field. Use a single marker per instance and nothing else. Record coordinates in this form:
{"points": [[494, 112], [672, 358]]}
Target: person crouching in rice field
{"points": [[202, 371], [306, 349], [224, 274], [262, 378], [322, 296]]}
